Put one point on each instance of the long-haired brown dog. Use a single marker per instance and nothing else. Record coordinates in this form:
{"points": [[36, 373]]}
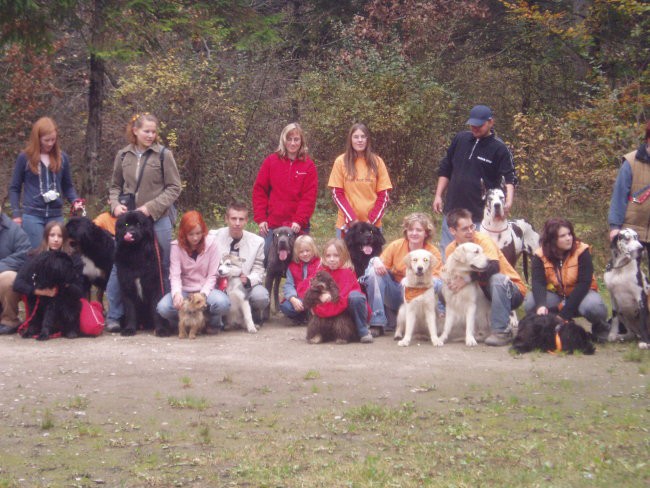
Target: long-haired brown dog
{"points": [[339, 328], [191, 317]]}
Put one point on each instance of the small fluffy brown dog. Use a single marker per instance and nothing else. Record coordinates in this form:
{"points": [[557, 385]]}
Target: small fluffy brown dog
{"points": [[323, 329], [190, 316]]}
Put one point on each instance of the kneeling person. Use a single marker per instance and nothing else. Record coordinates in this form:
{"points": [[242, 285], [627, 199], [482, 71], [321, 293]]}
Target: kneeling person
{"points": [[500, 281]]}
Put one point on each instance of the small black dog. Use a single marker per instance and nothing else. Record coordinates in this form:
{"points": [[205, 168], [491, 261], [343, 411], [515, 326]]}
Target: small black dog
{"points": [[96, 248], [339, 328], [277, 262], [550, 334], [364, 241], [60, 313], [139, 272]]}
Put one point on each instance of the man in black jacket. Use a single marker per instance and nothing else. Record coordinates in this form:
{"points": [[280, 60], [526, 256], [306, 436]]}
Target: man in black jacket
{"points": [[14, 245], [474, 156]]}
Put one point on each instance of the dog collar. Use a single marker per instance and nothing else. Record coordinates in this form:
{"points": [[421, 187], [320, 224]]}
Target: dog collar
{"points": [[411, 293], [495, 231]]}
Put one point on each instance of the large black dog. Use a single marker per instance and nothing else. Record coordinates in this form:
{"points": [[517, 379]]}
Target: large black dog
{"points": [[139, 269], [548, 333], [277, 262], [364, 241], [59, 313], [96, 248]]}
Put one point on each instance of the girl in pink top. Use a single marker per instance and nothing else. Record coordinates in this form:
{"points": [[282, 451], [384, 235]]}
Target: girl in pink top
{"points": [[194, 260]]}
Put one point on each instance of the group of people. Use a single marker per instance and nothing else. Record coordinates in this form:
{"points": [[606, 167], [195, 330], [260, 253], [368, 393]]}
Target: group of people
{"points": [[145, 178]]}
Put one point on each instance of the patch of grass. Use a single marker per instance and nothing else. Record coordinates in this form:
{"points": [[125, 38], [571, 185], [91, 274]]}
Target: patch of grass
{"points": [[226, 379], [47, 422], [311, 375], [188, 401], [79, 402], [186, 382]]}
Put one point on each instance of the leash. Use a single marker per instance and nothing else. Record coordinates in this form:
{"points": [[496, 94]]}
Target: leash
{"points": [[558, 341], [23, 326], [162, 286]]}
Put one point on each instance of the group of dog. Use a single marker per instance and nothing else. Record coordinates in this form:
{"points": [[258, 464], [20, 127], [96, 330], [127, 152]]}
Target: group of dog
{"points": [[139, 271]]}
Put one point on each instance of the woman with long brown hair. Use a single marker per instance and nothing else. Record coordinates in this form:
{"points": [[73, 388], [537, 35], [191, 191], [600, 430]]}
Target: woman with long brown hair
{"points": [[42, 175], [359, 181]]}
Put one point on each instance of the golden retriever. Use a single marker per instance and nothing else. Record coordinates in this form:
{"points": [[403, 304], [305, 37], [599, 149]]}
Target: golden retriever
{"points": [[468, 305], [419, 297]]}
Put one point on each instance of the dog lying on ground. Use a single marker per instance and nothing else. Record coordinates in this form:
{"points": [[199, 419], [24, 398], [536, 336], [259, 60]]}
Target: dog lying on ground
{"points": [[628, 287], [280, 255], [230, 269], [59, 313], [96, 248], [420, 299], [469, 305], [340, 328], [191, 317], [513, 237], [549, 333], [139, 272], [364, 241]]}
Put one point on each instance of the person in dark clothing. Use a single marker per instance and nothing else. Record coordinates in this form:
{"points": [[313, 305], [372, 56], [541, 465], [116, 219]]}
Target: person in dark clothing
{"points": [[563, 279], [14, 245], [630, 203], [476, 160]]}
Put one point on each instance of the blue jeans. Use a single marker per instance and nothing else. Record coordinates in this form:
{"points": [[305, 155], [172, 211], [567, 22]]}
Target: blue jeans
{"points": [[218, 305], [287, 309], [505, 297], [163, 229], [358, 309], [34, 226], [591, 307]]}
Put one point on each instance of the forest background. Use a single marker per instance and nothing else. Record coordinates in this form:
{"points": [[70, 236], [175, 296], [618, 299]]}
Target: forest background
{"points": [[568, 81]]}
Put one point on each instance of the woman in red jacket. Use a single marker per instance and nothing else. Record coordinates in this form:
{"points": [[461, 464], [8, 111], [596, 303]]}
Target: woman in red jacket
{"points": [[284, 192]]}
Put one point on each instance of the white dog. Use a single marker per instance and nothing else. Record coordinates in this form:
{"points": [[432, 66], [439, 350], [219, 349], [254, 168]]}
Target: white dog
{"points": [[513, 237], [468, 305], [419, 297], [240, 308], [629, 287]]}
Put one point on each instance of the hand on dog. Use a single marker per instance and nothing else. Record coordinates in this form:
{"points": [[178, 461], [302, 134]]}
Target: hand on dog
{"points": [[379, 267], [613, 233], [263, 228], [542, 311], [119, 210], [178, 301], [297, 304], [295, 227], [456, 284], [144, 210], [325, 297], [46, 292]]}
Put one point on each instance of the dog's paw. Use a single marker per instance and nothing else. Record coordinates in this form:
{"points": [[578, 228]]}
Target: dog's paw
{"points": [[644, 345], [127, 331], [397, 336], [341, 341], [72, 334], [316, 340], [43, 336], [404, 343], [470, 342], [252, 330], [438, 341]]}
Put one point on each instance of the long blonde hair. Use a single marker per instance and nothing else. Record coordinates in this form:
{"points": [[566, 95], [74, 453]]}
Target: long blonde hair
{"points": [[282, 145], [350, 155], [342, 249], [43, 127]]}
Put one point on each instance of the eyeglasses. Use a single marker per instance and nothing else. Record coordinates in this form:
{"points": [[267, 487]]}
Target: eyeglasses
{"points": [[469, 228]]}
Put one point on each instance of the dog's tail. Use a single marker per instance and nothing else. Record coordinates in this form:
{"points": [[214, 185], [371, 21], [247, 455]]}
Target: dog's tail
{"points": [[524, 265]]}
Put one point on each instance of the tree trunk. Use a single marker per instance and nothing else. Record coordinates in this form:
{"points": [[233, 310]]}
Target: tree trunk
{"points": [[96, 93]]}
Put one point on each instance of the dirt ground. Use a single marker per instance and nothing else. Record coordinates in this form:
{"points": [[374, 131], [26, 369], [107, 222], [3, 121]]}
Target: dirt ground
{"points": [[123, 373], [128, 378]]}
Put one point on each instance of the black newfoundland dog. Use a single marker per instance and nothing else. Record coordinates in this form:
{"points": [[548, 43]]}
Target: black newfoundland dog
{"points": [[548, 333], [339, 328], [96, 248], [139, 269], [59, 313], [364, 241]]}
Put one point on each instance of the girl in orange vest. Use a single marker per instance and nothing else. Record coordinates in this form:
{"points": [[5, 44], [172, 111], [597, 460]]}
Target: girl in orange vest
{"points": [[563, 279]]}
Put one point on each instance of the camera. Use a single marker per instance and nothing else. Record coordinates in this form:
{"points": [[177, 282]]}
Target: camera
{"points": [[50, 196]]}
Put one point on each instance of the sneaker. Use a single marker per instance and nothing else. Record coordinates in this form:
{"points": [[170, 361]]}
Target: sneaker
{"points": [[8, 329], [112, 326], [498, 339], [376, 331], [367, 339]]}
